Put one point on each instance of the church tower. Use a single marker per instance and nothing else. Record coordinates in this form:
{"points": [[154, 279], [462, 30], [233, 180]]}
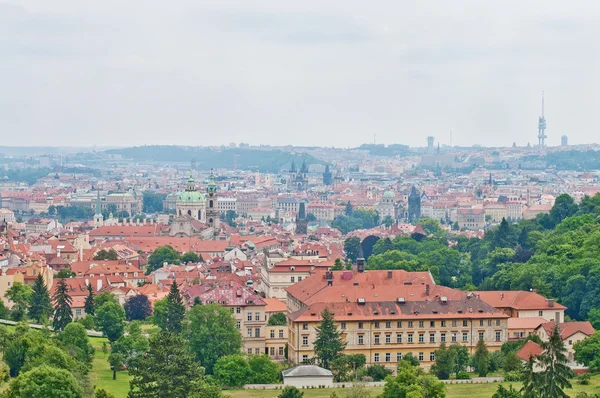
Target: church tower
{"points": [[212, 210], [301, 221], [98, 217], [327, 176], [414, 205]]}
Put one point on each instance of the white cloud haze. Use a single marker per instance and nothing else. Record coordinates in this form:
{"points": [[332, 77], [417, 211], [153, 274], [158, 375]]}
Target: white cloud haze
{"points": [[315, 72]]}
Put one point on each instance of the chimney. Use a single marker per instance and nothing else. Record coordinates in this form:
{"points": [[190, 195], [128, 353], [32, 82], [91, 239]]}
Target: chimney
{"points": [[427, 289], [329, 277], [360, 264], [557, 317], [550, 303], [389, 274]]}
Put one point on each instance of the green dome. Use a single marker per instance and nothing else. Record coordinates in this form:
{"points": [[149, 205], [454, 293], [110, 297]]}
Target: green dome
{"points": [[389, 194], [191, 197]]}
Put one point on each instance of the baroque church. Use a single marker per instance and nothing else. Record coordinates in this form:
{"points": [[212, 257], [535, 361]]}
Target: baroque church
{"points": [[196, 213]]}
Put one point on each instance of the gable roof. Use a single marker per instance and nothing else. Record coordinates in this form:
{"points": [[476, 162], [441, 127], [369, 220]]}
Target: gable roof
{"points": [[530, 349], [519, 300]]}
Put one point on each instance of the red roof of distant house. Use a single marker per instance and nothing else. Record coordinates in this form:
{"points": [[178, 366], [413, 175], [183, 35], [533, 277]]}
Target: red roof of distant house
{"points": [[274, 305], [568, 329], [530, 349], [125, 230], [519, 299], [419, 230]]}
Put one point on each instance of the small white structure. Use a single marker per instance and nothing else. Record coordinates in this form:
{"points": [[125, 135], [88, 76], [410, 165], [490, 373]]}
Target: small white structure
{"points": [[307, 376]]}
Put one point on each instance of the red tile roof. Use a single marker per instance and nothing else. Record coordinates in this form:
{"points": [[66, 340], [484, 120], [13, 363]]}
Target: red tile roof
{"points": [[530, 349], [519, 300]]}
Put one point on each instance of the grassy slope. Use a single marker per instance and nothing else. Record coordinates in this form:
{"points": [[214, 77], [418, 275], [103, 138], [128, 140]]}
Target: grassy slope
{"points": [[101, 375]]}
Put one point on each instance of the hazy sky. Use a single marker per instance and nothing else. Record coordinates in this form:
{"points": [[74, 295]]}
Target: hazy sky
{"points": [[310, 72]]}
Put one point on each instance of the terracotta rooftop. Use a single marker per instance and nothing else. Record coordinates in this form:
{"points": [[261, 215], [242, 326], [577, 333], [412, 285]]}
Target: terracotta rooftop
{"points": [[519, 300], [568, 329], [530, 349], [525, 323], [274, 305]]}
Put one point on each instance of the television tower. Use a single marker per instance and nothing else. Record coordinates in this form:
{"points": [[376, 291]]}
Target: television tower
{"points": [[542, 127]]}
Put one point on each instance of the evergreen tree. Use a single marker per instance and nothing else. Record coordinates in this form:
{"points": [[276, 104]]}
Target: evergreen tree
{"points": [[481, 359], [62, 312], [555, 376], [175, 310], [40, 305], [89, 300], [167, 370], [530, 380], [328, 344], [445, 360]]}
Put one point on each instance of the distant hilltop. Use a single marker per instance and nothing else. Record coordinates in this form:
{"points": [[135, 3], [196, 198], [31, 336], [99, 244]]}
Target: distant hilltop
{"points": [[259, 159]]}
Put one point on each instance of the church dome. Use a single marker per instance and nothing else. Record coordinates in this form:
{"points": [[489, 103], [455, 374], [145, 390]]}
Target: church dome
{"points": [[190, 197], [389, 195]]}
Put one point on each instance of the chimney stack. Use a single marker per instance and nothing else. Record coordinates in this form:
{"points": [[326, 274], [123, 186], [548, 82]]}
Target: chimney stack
{"points": [[557, 317], [389, 274], [550, 303], [360, 264], [427, 290]]}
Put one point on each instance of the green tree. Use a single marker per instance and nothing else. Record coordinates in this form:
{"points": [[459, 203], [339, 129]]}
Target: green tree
{"points": [[378, 372], [232, 370], [89, 300], [212, 334], [352, 247], [45, 382], [277, 319], [115, 360], [175, 310], [291, 392], [512, 362], [40, 305], [75, 341], [328, 344], [65, 274], [564, 206], [388, 221], [103, 298], [411, 382], [104, 254], [137, 308], [62, 307], [4, 312], [587, 352], [190, 257], [530, 380], [594, 317], [19, 294], [445, 362], [556, 373], [481, 359], [430, 226], [110, 318], [162, 254], [159, 313], [264, 370], [167, 370], [461, 357]]}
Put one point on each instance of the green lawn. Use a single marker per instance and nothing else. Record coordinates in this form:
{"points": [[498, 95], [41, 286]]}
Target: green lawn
{"points": [[101, 375], [454, 390]]}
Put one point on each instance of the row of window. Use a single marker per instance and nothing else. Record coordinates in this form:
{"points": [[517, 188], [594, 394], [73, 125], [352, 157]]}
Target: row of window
{"points": [[280, 351], [421, 324], [256, 332], [388, 357], [454, 338], [272, 334], [293, 279]]}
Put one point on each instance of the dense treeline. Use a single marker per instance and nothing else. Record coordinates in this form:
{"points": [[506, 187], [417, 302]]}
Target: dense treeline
{"points": [[556, 254]]}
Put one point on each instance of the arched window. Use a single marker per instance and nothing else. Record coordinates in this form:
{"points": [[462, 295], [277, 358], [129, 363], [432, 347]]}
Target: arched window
{"points": [[189, 212], [199, 214], [210, 204]]}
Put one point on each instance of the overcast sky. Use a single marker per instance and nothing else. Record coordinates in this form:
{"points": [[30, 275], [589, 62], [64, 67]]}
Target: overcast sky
{"points": [[310, 72]]}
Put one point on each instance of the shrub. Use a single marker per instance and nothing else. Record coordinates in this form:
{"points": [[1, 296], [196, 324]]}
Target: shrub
{"points": [[584, 379], [463, 376], [513, 376]]}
